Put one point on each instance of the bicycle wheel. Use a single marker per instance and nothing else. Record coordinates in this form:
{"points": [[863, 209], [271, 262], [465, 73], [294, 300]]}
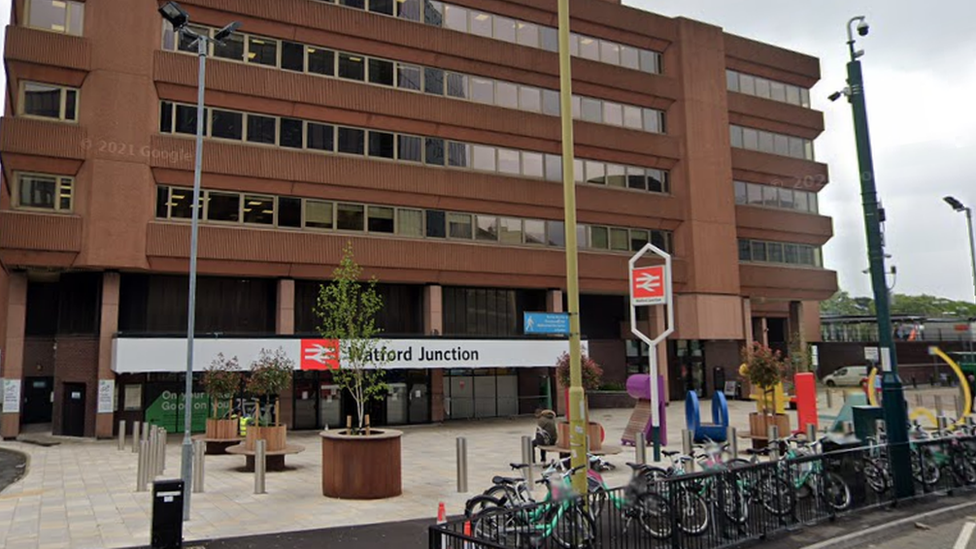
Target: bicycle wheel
{"points": [[502, 493], [836, 492], [924, 469], [776, 495], [479, 504], [598, 498], [877, 478], [692, 512], [964, 470], [498, 525], [654, 515], [574, 529], [735, 505]]}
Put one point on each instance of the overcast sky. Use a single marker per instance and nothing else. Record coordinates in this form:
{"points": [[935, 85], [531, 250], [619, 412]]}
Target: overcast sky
{"points": [[920, 82]]}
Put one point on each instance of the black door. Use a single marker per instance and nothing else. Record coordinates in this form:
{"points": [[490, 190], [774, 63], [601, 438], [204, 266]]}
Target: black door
{"points": [[37, 399], [73, 410]]}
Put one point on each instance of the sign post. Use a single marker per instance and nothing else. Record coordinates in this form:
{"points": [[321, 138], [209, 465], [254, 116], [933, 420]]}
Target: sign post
{"points": [[649, 287]]}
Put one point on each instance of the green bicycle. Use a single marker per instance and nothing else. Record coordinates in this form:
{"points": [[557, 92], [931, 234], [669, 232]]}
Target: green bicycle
{"points": [[810, 476]]}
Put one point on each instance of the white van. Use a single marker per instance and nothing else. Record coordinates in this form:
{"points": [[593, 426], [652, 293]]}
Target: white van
{"points": [[848, 375]]}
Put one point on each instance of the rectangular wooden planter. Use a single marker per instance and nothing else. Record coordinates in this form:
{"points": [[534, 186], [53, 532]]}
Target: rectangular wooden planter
{"points": [[276, 437], [594, 432], [759, 427]]}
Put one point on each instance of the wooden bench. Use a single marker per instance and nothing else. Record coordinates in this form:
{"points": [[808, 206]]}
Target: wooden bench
{"points": [[218, 446], [273, 461]]}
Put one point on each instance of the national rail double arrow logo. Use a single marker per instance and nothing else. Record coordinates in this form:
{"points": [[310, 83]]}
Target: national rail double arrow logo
{"points": [[647, 286]]}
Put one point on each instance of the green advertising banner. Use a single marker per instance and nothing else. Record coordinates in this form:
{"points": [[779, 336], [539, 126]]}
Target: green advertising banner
{"points": [[167, 411]]}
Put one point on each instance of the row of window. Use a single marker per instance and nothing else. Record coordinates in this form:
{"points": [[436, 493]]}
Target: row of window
{"points": [[48, 101], [769, 142], [753, 194], [507, 29], [294, 133], [310, 59], [767, 89], [758, 251], [62, 16], [324, 215], [34, 191]]}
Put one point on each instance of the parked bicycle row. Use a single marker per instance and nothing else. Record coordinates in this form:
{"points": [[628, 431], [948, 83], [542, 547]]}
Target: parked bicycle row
{"points": [[729, 500]]}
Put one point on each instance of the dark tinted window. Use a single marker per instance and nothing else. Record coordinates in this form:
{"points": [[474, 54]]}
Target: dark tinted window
{"points": [[435, 224], [291, 133], [381, 72], [434, 81], [263, 51], [227, 124], [233, 48], [351, 140], [350, 217], [292, 56], [409, 148], [162, 199], [260, 129], [381, 144], [321, 61], [351, 67], [434, 151], [321, 137], [166, 117], [381, 6], [358, 4], [186, 119], [289, 212]]}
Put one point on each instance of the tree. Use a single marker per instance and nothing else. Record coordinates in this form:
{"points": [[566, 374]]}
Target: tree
{"points": [[764, 368], [592, 372], [842, 304], [221, 380], [270, 375], [347, 309]]}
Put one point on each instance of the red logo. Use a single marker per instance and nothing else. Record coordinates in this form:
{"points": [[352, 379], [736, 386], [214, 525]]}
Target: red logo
{"points": [[647, 286], [320, 354]]}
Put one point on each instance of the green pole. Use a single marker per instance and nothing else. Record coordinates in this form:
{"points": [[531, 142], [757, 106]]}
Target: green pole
{"points": [[895, 411]]}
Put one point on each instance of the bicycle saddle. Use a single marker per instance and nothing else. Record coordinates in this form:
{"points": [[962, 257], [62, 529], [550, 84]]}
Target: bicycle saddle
{"points": [[505, 480], [518, 466], [753, 451], [670, 453]]}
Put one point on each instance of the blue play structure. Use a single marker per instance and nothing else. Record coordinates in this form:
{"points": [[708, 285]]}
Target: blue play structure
{"points": [[718, 429]]}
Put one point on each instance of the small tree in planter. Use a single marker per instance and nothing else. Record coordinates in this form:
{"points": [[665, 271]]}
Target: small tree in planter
{"points": [[765, 369], [348, 309], [222, 379], [270, 375], [592, 375]]}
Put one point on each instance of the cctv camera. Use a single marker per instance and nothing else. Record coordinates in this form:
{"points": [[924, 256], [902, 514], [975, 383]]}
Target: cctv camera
{"points": [[835, 96], [863, 28]]}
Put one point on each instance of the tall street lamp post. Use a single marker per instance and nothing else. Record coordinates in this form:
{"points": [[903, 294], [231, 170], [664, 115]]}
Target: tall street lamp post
{"points": [[895, 410], [578, 422], [179, 18], [960, 207]]}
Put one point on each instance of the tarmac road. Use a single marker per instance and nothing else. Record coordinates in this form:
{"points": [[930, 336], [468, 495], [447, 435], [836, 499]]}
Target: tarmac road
{"points": [[411, 534]]}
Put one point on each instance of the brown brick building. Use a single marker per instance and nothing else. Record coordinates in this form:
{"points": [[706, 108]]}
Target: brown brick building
{"points": [[425, 133]]}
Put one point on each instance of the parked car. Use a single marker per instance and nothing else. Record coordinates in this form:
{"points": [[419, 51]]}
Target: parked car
{"points": [[848, 375]]}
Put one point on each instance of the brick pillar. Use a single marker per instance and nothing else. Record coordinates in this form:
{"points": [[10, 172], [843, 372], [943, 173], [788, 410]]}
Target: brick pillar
{"points": [[796, 324], [109, 326], [434, 325], [285, 325], [13, 351]]}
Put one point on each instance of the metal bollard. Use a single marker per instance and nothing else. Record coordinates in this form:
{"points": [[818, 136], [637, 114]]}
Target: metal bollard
{"points": [[136, 427], [918, 400], [687, 446], [462, 465], [938, 405], [879, 428], [259, 465], [122, 435], [528, 456], [773, 434], [943, 424], [640, 448], [811, 433], [162, 450], [733, 438], [143, 450], [958, 400], [830, 399], [199, 451], [153, 455]]}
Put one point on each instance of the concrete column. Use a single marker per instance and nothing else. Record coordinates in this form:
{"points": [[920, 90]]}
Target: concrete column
{"points": [[747, 320], [285, 325], [554, 301], [13, 351], [434, 325], [285, 315], [104, 422]]}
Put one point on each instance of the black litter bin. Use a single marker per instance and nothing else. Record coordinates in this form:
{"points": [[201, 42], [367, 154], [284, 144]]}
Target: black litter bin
{"points": [[167, 514]]}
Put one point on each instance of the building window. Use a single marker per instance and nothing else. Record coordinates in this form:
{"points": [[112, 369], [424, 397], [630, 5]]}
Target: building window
{"points": [[321, 61], [381, 72], [321, 137], [44, 192], [261, 129], [222, 206], [459, 226], [410, 222], [227, 125], [319, 214], [350, 217], [773, 143], [292, 133], [753, 194], [535, 232], [263, 51], [380, 220], [781, 253], [289, 212], [486, 228], [48, 101], [292, 57], [510, 230], [351, 140], [351, 67], [259, 210], [232, 48], [767, 89], [381, 144], [62, 16]]}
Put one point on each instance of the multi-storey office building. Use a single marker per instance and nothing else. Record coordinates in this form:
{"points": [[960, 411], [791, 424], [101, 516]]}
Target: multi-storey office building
{"points": [[426, 134]]}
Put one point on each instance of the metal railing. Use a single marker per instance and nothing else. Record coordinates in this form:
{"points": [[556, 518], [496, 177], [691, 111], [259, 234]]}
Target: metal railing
{"points": [[715, 509]]}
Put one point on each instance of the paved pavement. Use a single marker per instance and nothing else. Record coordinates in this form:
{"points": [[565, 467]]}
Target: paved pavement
{"points": [[81, 494]]}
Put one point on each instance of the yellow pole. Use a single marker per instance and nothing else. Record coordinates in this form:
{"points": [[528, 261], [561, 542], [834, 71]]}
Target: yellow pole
{"points": [[578, 422]]}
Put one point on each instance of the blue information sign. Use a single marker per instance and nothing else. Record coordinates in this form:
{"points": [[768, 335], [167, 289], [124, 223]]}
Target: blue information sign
{"points": [[546, 323]]}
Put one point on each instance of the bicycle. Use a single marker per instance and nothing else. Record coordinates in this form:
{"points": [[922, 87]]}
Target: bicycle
{"points": [[495, 521], [813, 478]]}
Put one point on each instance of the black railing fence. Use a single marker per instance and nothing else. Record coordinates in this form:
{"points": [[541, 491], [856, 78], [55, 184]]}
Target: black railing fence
{"points": [[718, 508]]}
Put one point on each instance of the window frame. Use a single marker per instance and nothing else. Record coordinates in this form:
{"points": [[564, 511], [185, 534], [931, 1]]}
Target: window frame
{"points": [[69, 6], [59, 184], [62, 105]]}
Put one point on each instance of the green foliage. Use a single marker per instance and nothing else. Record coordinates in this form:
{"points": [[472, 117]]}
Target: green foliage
{"points": [[592, 372], [763, 367], [270, 373], [842, 304], [613, 386], [347, 309], [221, 380]]}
